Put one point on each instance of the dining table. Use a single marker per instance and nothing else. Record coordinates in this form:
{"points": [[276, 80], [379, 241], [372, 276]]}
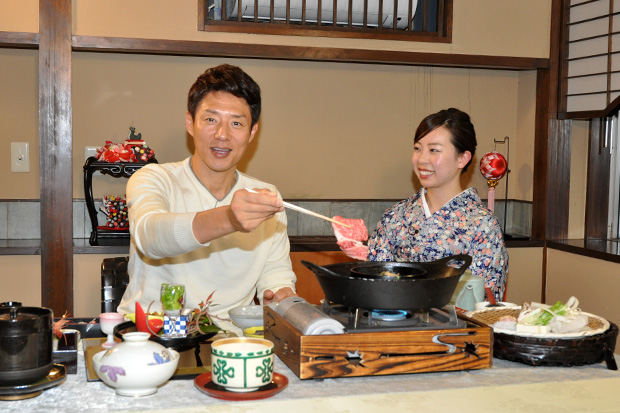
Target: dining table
{"points": [[506, 386]]}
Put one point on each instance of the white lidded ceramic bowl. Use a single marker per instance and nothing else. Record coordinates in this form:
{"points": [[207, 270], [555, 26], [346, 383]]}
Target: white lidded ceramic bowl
{"points": [[247, 316], [137, 366], [242, 364]]}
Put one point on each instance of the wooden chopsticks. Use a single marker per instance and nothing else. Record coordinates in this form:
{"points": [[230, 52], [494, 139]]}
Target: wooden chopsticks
{"points": [[314, 214], [307, 211]]}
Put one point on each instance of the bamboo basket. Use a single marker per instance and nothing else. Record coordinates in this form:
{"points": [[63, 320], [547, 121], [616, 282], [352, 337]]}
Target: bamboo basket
{"points": [[551, 350]]}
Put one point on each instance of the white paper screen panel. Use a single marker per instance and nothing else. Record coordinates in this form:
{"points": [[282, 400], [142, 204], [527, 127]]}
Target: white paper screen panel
{"points": [[615, 43], [585, 66], [581, 85], [586, 102], [588, 29], [615, 62], [587, 48], [616, 21], [615, 82], [588, 10], [589, 83]]}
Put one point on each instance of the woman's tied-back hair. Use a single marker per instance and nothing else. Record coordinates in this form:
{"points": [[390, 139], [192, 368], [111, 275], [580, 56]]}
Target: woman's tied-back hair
{"points": [[225, 78], [463, 134]]}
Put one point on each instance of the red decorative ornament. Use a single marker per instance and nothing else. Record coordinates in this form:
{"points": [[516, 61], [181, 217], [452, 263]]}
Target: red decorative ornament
{"points": [[134, 150], [493, 167]]}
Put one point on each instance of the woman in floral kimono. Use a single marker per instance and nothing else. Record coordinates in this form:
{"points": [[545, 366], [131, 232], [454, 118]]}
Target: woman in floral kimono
{"points": [[442, 218]]}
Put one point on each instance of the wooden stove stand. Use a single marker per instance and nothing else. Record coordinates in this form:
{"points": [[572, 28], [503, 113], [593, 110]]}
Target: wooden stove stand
{"points": [[380, 353]]}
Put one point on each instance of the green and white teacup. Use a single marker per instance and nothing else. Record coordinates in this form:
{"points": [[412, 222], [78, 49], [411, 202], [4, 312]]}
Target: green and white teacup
{"points": [[242, 364]]}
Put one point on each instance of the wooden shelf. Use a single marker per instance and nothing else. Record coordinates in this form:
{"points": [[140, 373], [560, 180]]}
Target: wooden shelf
{"points": [[302, 244], [101, 236]]}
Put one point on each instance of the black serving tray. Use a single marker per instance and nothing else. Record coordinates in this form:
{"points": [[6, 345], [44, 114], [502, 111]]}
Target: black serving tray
{"points": [[176, 343], [85, 326]]}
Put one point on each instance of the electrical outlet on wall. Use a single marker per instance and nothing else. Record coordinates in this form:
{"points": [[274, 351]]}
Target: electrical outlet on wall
{"points": [[89, 151], [20, 157]]}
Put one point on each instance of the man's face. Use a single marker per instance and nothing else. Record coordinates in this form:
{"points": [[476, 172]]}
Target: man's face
{"points": [[221, 131]]}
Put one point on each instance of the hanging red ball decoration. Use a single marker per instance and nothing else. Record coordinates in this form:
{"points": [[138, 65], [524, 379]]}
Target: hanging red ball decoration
{"points": [[493, 166]]}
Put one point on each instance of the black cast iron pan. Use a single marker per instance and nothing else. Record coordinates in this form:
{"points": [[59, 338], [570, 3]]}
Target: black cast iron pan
{"points": [[362, 285], [388, 270]]}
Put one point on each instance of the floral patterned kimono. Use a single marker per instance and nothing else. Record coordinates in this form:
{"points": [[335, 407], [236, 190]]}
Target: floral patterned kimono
{"points": [[409, 232]]}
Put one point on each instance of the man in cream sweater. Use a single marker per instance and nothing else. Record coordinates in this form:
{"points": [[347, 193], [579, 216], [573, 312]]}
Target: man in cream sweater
{"points": [[194, 223]]}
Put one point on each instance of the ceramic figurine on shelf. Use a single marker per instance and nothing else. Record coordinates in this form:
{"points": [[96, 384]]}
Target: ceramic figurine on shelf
{"points": [[132, 134], [134, 143]]}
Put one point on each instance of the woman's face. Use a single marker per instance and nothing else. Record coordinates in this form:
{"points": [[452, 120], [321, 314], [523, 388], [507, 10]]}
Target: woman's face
{"points": [[436, 161]]}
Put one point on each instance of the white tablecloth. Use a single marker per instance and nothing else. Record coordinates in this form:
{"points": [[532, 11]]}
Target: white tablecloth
{"points": [[507, 386]]}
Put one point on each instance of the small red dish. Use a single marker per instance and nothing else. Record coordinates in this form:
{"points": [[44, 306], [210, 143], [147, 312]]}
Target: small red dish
{"points": [[203, 383]]}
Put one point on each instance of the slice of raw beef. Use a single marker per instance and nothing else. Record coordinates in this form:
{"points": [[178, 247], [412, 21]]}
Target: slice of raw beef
{"points": [[350, 239]]}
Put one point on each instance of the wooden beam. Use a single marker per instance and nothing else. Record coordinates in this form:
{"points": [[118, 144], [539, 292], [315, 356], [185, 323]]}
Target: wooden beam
{"points": [[552, 146], [19, 40], [259, 51], [55, 136], [558, 179]]}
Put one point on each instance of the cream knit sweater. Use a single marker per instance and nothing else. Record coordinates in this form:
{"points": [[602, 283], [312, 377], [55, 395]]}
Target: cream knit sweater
{"points": [[163, 200]]}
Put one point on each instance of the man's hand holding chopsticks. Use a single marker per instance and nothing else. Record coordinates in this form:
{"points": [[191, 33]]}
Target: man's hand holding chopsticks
{"points": [[249, 209]]}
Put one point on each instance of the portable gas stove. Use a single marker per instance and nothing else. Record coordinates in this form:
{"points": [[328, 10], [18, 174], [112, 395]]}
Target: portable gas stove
{"points": [[382, 342], [358, 320]]}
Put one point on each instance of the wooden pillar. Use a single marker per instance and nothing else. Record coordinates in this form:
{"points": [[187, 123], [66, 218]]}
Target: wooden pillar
{"points": [[552, 145], [55, 134], [597, 188]]}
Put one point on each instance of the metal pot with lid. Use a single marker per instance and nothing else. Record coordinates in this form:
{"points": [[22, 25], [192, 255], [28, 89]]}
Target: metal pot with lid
{"points": [[26, 335]]}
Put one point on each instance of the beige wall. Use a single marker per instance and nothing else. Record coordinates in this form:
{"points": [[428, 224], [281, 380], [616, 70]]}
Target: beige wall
{"points": [[594, 282], [20, 278], [344, 123], [87, 284], [520, 179], [19, 120], [578, 179], [19, 16], [21, 281], [525, 269]]}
